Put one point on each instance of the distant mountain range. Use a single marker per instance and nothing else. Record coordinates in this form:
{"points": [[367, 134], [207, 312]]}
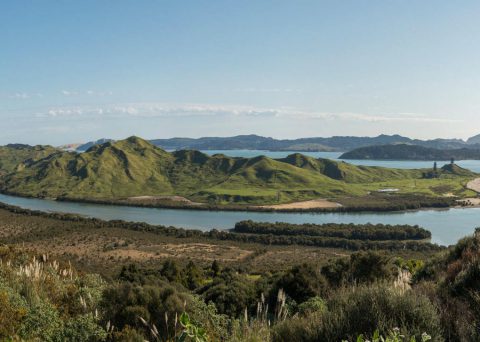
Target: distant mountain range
{"points": [[337, 143], [410, 152], [86, 146]]}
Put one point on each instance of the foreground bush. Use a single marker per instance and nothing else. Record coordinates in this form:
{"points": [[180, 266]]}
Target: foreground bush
{"points": [[43, 301], [363, 309]]}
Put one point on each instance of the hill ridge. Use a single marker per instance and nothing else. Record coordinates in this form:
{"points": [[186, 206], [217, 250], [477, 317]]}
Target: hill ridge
{"points": [[135, 167]]}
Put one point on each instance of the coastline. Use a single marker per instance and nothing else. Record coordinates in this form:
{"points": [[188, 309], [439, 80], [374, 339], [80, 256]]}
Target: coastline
{"points": [[283, 208]]}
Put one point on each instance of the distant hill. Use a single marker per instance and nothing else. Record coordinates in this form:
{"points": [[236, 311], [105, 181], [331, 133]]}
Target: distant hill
{"points": [[318, 144], [474, 140], [338, 143], [70, 147], [410, 152], [135, 167], [86, 146]]}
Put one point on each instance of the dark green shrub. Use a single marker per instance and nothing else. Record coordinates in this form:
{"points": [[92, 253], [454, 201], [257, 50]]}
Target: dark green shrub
{"points": [[362, 310], [231, 293], [124, 304], [361, 267], [301, 283]]}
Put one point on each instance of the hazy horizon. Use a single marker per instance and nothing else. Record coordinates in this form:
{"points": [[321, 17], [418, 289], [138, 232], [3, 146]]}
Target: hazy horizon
{"points": [[220, 136], [78, 71]]}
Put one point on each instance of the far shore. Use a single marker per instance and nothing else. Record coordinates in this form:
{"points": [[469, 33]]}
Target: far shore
{"points": [[309, 206]]}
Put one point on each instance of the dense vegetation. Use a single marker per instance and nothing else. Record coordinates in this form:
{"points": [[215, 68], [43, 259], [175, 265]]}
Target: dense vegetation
{"points": [[366, 293], [347, 231], [410, 152], [327, 295], [131, 169]]}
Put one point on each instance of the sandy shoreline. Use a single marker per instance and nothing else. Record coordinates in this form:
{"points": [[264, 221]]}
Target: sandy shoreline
{"points": [[312, 204], [474, 185], [173, 198]]}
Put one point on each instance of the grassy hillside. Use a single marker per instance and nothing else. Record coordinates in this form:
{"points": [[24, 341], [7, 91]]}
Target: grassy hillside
{"points": [[13, 155], [135, 167]]}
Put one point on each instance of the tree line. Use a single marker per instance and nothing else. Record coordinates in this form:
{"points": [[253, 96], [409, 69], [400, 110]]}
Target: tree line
{"points": [[264, 239], [347, 231]]}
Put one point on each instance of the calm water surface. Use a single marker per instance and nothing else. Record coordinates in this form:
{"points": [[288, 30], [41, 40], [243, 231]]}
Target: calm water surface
{"points": [[447, 226]]}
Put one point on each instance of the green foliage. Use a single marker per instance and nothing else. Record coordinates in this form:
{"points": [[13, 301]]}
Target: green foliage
{"points": [[83, 328], [301, 283], [42, 300], [357, 294], [361, 267], [190, 332], [347, 231], [171, 271], [411, 265], [215, 268], [217, 326], [393, 336], [128, 304], [193, 276], [365, 309], [11, 316], [312, 305], [231, 293]]}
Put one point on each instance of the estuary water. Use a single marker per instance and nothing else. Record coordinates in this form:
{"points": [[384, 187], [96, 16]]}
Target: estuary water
{"points": [[447, 226]]}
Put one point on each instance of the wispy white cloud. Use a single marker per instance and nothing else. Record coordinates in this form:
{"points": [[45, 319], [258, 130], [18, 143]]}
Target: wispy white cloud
{"points": [[87, 93], [69, 92], [152, 110], [98, 93], [268, 90], [21, 95]]}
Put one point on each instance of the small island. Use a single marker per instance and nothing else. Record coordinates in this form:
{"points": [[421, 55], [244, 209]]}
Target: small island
{"points": [[410, 152]]}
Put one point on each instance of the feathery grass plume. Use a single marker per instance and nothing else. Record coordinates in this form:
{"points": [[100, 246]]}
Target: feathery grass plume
{"points": [[281, 310], [403, 281]]}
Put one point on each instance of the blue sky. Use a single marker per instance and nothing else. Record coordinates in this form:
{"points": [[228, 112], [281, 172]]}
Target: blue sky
{"points": [[72, 71]]}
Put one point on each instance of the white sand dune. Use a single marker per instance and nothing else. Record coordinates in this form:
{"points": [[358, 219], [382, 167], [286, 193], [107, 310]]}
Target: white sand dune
{"points": [[474, 185]]}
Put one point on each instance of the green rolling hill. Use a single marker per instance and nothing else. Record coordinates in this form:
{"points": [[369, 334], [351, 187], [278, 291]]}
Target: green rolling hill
{"points": [[135, 167]]}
